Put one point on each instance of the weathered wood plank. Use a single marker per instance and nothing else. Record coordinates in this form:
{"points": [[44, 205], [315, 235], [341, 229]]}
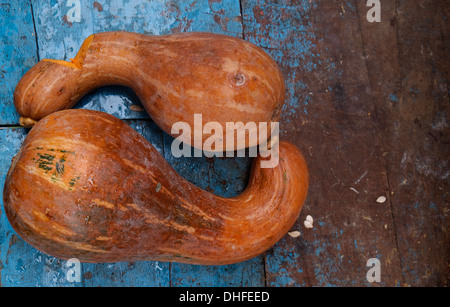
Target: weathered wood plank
{"points": [[249, 273], [413, 108], [328, 114], [278, 29], [18, 53], [423, 139], [10, 142]]}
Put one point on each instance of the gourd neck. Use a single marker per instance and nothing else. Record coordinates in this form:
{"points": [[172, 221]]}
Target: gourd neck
{"points": [[100, 63]]}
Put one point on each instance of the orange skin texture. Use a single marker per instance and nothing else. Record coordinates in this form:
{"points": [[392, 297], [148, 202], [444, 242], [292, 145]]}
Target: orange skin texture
{"points": [[86, 185], [226, 79]]}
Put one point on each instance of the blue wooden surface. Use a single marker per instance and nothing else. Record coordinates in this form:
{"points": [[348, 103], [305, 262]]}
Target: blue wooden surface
{"points": [[18, 52], [351, 100]]}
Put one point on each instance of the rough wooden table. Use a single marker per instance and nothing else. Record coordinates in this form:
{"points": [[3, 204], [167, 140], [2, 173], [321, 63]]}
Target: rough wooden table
{"points": [[367, 103]]}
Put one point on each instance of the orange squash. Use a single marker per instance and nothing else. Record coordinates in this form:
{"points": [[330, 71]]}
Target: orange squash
{"points": [[86, 185], [224, 78]]}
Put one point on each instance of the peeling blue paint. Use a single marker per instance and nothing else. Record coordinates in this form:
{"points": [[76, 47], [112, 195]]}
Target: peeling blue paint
{"points": [[433, 206], [18, 53], [393, 98], [278, 27], [285, 263]]}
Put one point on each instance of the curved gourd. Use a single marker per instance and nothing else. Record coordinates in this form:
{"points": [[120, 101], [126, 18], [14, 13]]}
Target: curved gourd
{"points": [[223, 78], [86, 185]]}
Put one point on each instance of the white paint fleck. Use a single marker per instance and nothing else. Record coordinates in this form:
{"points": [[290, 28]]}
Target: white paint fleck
{"points": [[157, 266]]}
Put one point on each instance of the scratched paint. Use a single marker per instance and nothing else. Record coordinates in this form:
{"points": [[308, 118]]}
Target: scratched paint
{"points": [[286, 263], [60, 39], [165, 17], [249, 273], [286, 32], [317, 91], [18, 53], [12, 264]]}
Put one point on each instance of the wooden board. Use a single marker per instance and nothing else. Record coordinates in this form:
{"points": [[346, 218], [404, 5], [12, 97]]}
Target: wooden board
{"points": [[328, 115], [18, 53], [367, 103], [412, 100]]}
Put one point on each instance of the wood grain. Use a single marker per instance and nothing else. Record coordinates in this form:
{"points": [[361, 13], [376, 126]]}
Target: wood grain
{"points": [[19, 53], [332, 112], [412, 111]]}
